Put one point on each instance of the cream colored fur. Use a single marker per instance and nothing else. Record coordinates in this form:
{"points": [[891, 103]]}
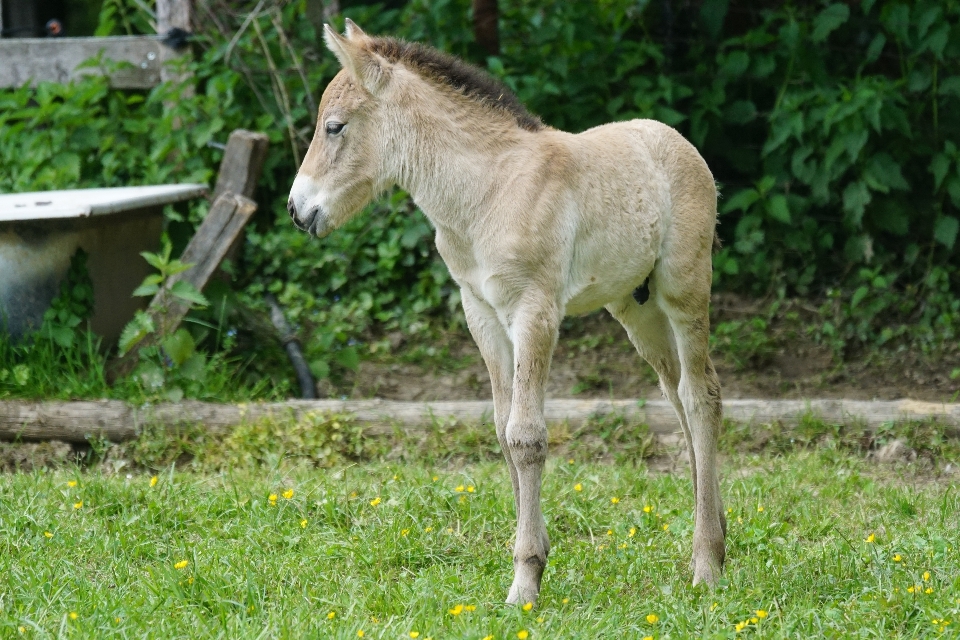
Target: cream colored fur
{"points": [[535, 225]]}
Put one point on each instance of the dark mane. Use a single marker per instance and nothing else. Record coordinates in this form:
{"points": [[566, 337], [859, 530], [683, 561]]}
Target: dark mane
{"points": [[469, 80]]}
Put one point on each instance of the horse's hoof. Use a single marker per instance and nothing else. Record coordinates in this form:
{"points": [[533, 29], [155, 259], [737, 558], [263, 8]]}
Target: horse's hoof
{"points": [[707, 566], [521, 595]]}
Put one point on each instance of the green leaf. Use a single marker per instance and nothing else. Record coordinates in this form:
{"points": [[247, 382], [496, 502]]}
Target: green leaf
{"points": [[740, 112], [949, 86], [186, 291], [828, 20], [145, 290], [179, 346], [320, 369], [348, 358], [875, 48], [743, 200], [712, 15], [882, 174], [856, 197], [735, 64], [858, 296], [945, 231], [778, 208], [136, 330], [154, 260], [939, 167]]}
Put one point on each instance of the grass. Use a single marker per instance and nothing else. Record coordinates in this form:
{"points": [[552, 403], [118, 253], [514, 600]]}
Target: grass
{"points": [[822, 543]]}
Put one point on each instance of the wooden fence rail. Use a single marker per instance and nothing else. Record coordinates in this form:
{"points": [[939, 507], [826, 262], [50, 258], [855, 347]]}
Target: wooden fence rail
{"points": [[118, 421]]}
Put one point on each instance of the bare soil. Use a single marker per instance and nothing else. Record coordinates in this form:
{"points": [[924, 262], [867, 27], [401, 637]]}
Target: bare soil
{"points": [[594, 359]]}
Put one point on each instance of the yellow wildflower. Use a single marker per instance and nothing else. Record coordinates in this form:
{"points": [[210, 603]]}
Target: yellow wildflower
{"points": [[78, 505], [71, 483], [459, 488], [428, 529], [404, 532], [435, 478], [375, 501], [395, 477], [48, 534], [614, 499], [578, 487], [911, 589], [633, 532], [288, 494], [331, 615], [471, 488], [541, 619], [647, 508], [73, 615], [761, 613], [360, 633], [926, 576], [623, 546], [490, 637], [647, 637], [897, 558], [652, 618], [760, 509], [153, 481], [523, 634], [528, 606], [609, 532], [457, 610], [22, 629], [928, 590], [570, 461], [182, 564], [565, 600], [871, 538], [303, 524], [414, 634], [740, 626], [462, 499], [754, 620], [272, 498], [714, 606], [470, 607], [666, 526]]}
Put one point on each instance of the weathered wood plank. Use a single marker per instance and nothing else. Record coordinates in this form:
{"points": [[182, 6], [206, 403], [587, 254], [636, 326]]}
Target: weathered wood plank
{"points": [[242, 163], [206, 250], [117, 421], [33, 60]]}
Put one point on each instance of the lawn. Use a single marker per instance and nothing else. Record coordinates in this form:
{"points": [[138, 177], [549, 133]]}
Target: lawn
{"points": [[822, 543]]}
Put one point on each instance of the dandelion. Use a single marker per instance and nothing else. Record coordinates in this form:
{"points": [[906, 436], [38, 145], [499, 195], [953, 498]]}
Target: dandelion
{"points": [[470, 607], [462, 499], [570, 461], [22, 629], [73, 615], [117, 619], [490, 637], [714, 606], [395, 477], [897, 557], [71, 483], [48, 534], [353, 495], [652, 618], [288, 494], [633, 532], [375, 501], [754, 619], [359, 633], [459, 488], [609, 532], [565, 601], [615, 500], [523, 634], [190, 580], [471, 489], [153, 481], [760, 509], [404, 532], [761, 613], [303, 524], [414, 634], [926, 576], [331, 615], [928, 590], [578, 487], [182, 564], [528, 606], [457, 610], [623, 545], [911, 589], [871, 538], [273, 499], [740, 626], [647, 637], [78, 505], [666, 527], [428, 529], [647, 508], [435, 478]]}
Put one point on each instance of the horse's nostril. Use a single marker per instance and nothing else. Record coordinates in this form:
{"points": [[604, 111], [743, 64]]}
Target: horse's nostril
{"points": [[292, 209]]}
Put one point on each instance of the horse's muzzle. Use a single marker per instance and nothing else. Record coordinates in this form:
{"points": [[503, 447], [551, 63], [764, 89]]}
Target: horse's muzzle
{"points": [[313, 222]]}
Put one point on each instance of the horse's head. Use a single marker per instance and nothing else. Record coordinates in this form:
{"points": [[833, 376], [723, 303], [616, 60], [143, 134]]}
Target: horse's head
{"points": [[342, 170]]}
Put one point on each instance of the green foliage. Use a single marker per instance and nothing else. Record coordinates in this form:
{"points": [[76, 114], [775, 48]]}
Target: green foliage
{"points": [[832, 128]]}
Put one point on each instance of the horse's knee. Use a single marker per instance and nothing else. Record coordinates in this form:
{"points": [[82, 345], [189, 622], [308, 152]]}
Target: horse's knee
{"points": [[527, 442]]}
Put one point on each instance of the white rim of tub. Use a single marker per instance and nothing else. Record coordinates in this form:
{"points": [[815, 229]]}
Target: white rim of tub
{"points": [[82, 203]]}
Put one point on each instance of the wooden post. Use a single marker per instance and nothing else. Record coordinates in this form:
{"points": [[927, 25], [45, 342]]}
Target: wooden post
{"points": [[242, 163], [172, 14], [486, 30]]}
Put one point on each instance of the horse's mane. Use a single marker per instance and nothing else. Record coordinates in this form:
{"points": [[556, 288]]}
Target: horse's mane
{"points": [[467, 79]]}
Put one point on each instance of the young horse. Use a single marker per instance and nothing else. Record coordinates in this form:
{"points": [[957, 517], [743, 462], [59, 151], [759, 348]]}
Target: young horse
{"points": [[534, 224]]}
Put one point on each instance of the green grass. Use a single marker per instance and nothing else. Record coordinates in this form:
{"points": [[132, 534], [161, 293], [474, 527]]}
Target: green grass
{"points": [[797, 549]]}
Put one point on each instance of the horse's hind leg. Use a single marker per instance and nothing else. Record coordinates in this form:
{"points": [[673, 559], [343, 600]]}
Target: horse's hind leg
{"points": [[684, 296], [649, 331]]}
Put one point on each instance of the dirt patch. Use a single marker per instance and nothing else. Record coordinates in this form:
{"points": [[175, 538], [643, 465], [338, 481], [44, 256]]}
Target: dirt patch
{"points": [[594, 359]]}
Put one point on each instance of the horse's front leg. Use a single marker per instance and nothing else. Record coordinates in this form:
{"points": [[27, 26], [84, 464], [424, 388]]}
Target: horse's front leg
{"points": [[534, 331]]}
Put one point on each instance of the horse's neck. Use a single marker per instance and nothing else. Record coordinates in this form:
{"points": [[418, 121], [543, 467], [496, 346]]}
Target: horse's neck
{"points": [[449, 166]]}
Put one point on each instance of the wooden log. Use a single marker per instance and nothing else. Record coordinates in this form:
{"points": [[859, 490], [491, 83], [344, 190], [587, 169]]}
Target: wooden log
{"points": [[33, 60], [118, 421], [206, 249], [173, 14]]}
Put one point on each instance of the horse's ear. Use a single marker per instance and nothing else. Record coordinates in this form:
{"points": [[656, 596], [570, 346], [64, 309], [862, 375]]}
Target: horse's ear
{"points": [[366, 66], [354, 32]]}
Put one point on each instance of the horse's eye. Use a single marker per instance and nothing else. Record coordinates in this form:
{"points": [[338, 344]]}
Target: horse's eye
{"points": [[333, 128]]}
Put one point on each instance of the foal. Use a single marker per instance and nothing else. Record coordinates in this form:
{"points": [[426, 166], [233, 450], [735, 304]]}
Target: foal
{"points": [[534, 224]]}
